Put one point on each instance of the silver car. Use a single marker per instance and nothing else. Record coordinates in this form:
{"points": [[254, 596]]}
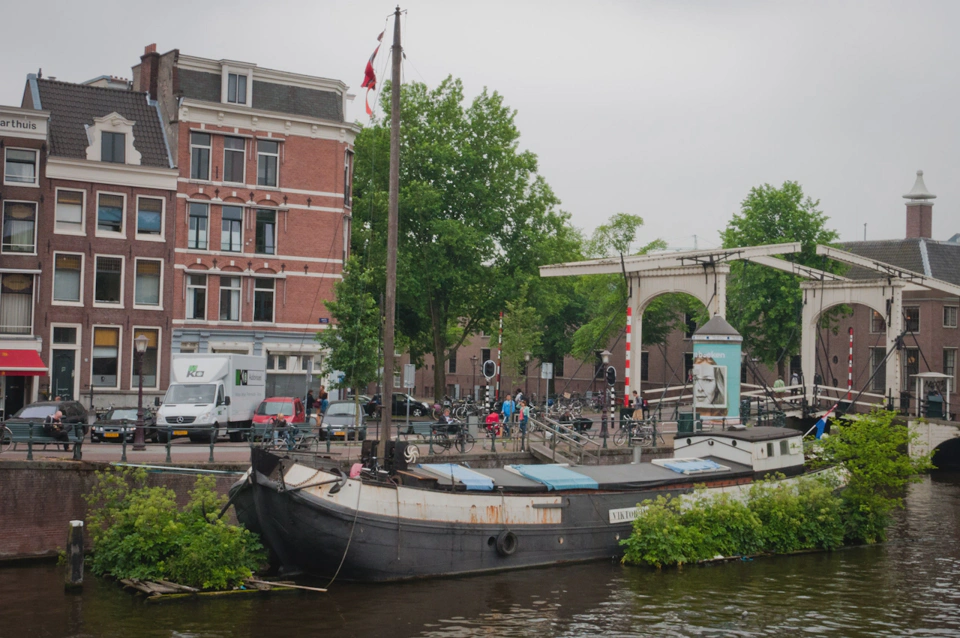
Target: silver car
{"points": [[344, 419]]}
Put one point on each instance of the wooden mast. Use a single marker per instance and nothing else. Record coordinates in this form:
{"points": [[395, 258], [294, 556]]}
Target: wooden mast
{"points": [[390, 296]]}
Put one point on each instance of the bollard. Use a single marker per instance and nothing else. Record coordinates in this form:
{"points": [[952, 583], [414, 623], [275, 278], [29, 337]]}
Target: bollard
{"points": [[493, 439], [637, 452], [77, 447], [30, 443], [123, 455], [213, 440], [74, 577], [169, 442]]}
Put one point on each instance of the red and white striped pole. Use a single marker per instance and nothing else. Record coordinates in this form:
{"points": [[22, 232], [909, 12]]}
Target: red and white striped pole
{"points": [[850, 368], [626, 365], [499, 351]]}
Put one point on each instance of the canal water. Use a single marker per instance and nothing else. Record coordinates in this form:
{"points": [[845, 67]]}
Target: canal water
{"points": [[909, 586]]}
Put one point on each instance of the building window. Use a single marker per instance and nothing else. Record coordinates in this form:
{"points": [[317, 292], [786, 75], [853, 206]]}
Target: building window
{"points": [[911, 318], [69, 213], [149, 216], [197, 237], [110, 213], [949, 316], [558, 368], [196, 297], [950, 364], [65, 336], [149, 362], [108, 285], [347, 172], [484, 355], [877, 323], [233, 159], [147, 286], [19, 227], [453, 363], [236, 88], [229, 298], [113, 147], [644, 366], [911, 366], [263, 299], [106, 361], [230, 229], [687, 367], [266, 232], [268, 157], [20, 166], [67, 271], [878, 370], [16, 303], [200, 156], [691, 322]]}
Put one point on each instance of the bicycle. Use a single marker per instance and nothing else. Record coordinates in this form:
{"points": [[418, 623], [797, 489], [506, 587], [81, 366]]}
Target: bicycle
{"points": [[289, 439], [447, 435], [6, 438], [643, 432]]}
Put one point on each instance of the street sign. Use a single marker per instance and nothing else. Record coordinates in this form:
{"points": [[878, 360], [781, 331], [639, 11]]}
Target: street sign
{"points": [[409, 375], [489, 369], [546, 371]]}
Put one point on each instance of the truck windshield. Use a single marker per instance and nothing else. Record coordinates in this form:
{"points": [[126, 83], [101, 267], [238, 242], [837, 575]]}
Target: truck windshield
{"points": [[191, 393]]}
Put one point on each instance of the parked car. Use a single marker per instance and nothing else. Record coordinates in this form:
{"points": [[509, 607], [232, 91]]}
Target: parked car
{"points": [[343, 419], [119, 422], [36, 413], [290, 407], [399, 405]]}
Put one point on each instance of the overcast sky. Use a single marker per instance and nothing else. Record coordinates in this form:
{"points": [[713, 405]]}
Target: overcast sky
{"points": [[669, 110]]}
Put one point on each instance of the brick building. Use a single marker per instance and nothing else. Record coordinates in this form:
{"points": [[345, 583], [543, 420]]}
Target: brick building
{"points": [[105, 240], [262, 216], [23, 135]]}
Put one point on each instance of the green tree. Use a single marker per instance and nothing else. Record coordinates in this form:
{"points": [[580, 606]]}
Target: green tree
{"points": [[476, 219], [764, 304], [353, 341], [522, 334]]}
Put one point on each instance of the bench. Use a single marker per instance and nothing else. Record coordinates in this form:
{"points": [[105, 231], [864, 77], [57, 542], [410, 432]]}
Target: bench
{"points": [[21, 433], [417, 428]]}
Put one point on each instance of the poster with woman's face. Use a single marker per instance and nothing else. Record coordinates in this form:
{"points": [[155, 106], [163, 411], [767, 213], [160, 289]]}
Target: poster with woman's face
{"points": [[709, 386]]}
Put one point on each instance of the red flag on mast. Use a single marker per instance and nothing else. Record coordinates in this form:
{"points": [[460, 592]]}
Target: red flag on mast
{"points": [[369, 76]]}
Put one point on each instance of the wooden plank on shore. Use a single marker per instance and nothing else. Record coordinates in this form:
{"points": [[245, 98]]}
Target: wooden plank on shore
{"points": [[178, 586]]}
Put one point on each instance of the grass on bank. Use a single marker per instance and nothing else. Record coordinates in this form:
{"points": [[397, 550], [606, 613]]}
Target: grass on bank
{"points": [[140, 532], [781, 517]]}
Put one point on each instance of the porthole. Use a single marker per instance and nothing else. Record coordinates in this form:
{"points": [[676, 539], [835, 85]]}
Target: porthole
{"points": [[560, 540], [689, 441], [710, 442], [734, 444], [491, 541]]}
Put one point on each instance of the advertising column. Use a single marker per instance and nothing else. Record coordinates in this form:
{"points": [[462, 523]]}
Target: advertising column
{"points": [[716, 372]]}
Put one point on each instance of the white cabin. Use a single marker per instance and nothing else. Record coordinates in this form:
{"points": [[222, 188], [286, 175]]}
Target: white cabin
{"points": [[765, 449]]}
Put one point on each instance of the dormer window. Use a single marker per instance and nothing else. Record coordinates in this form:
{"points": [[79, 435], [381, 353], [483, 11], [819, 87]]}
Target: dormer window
{"points": [[236, 88], [112, 147], [110, 140]]}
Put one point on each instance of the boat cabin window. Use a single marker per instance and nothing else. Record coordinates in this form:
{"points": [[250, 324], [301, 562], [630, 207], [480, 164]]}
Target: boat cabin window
{"points": [[784, 447], [770, 449]]}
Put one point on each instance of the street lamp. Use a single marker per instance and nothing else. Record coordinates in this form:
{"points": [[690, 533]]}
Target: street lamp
{"points": [[526, 376], [140, 344], [473, 362], [605, 357]]}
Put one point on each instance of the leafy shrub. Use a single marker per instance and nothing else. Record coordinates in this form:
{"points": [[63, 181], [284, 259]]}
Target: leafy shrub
{"points": [[139, 532], [781, 517]]}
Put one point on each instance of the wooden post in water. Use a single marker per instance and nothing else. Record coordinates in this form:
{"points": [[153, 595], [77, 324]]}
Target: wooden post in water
{"points": [[74, 577]]}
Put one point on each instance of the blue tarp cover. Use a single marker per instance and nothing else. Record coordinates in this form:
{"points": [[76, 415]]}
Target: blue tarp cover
{"points": [[556, 477], [472, 480], [693, 466]]}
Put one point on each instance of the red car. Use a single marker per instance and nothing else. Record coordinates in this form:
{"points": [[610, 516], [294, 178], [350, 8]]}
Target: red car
{"points": [[290, 407]]}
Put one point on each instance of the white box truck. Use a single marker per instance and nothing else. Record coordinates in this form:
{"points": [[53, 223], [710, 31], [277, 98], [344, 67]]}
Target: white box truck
{"points": [[207, 390]]}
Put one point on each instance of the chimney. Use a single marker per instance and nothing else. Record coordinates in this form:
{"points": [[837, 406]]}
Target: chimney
{"points": [[149, 69], [919, 210]]}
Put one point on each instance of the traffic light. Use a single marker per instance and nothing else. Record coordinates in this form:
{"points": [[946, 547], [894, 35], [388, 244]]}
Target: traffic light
{"points": [[489, 369], [611, 375]]}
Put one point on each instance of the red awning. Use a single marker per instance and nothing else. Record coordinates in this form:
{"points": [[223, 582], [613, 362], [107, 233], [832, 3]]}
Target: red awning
{"points": [[21, 363]]}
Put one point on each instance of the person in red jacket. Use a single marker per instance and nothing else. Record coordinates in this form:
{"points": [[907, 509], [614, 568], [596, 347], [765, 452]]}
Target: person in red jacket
{"points": [[493, 422]]}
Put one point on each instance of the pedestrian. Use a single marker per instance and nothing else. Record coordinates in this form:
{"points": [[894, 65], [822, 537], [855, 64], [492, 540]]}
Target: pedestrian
{"points": [[524, 415], [492, 423], [794, 381], [645, 407], [779, 385], [324, 400], [518, 397], [53, 427], [508, 408], [310, 402], [635, 401]]}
